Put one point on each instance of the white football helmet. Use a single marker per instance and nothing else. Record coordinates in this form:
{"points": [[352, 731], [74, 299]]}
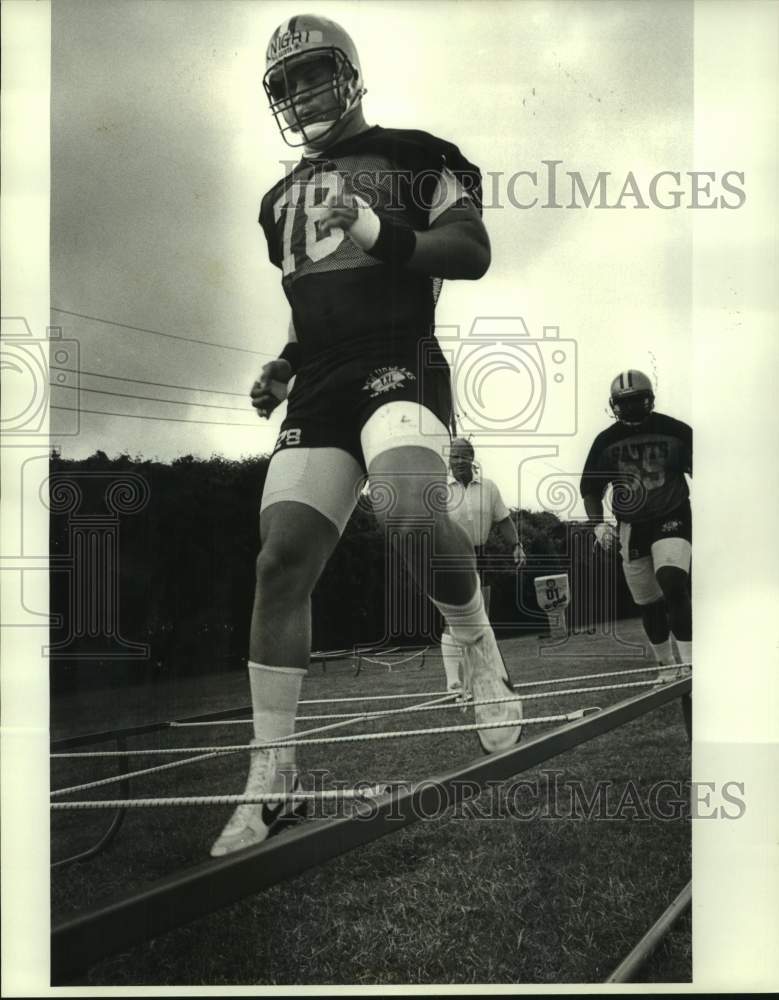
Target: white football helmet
{"points": [[632, 398], [306, 113]]}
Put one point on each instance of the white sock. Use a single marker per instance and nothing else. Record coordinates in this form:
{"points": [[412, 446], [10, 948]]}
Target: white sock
{"points": [[275, 694], [467, 622], [451, 653], [685, 649], [664, 652]]}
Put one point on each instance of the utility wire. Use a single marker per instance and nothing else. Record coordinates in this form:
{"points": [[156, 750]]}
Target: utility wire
{"points": [[142, 381], [149, 399], [159, 333], [145, 416]]}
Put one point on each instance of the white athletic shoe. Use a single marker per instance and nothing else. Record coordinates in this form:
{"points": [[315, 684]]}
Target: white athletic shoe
{"points": [[487, 677], [251, 824]]}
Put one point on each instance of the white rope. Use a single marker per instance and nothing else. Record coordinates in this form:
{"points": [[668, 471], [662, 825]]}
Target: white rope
{"points": [[114, 779], [426, 708], [460, 704], [347, 719], [524, 684], [225, 800], [357, 738], [135, 774]]}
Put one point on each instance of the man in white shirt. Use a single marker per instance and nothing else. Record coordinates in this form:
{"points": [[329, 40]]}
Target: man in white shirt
{"points": [[475, 503]]}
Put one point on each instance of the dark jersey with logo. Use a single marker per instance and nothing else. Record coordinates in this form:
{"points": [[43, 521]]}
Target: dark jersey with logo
{"points": [[645, 465], [345, 303]]}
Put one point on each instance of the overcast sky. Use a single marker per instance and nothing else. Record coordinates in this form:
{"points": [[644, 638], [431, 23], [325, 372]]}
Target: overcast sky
{"points": [[162, 147]]}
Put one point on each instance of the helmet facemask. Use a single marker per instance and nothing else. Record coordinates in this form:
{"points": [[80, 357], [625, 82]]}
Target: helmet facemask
{"points": [[632, 408], [338, 81]]}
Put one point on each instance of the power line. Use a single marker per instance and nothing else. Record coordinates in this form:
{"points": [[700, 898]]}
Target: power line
{"points": [[145, 416], [159, 333], [555, 467], [141, 381], [148, 399]]}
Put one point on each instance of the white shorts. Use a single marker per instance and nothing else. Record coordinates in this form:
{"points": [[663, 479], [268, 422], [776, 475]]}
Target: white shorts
{"points": [[640, 574], [403, 424], [330, 479]]}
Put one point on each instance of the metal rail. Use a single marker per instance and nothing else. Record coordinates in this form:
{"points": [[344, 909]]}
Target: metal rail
{"points": [[631, 965], [103, 736], [81, 941]]}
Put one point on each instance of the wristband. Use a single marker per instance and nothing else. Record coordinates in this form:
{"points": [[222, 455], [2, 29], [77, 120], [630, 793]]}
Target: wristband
{"points": [[292, 354], [395, 243]]}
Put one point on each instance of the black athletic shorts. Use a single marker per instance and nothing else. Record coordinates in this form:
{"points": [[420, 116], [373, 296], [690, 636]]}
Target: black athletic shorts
{"points": [[640, 537], [332, 398]]}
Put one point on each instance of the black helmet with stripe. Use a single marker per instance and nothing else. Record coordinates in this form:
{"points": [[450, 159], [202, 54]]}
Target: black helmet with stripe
{"points": [[632, 397]]}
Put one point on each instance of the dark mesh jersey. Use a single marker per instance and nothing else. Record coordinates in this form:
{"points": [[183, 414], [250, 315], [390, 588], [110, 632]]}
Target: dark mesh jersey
{"points": [[645, 466], [345, 302]]}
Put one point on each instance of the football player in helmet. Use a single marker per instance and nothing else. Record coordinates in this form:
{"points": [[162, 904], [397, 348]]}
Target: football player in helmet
{"points": [[313, 81], [475, 503], [363, 231], [631, 398], [644, 457]]}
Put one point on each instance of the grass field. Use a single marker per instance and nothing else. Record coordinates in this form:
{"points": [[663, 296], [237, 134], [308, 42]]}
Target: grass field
{"points": [[554, 898]]}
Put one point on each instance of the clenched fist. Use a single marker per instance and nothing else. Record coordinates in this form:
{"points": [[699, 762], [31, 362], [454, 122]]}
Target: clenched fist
{"points": [[606, 536], [352, 214], [270, 388]]}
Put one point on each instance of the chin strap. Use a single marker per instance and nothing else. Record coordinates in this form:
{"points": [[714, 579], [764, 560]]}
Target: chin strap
{"points": [[354, 100], [322, 128]]}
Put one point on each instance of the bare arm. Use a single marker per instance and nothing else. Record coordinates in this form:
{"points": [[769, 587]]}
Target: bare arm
{"points": [[508, 532]]}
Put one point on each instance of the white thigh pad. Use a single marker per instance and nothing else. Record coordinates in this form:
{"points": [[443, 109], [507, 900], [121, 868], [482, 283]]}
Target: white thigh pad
{"points": [[403, 424], [640, 578], [327, 479], [672, 552]]}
